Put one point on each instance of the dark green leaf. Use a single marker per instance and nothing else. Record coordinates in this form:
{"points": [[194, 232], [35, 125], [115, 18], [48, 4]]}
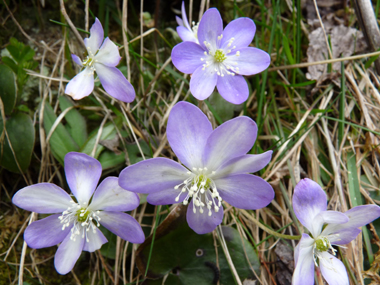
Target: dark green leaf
{"points": [[8, 92], [21, 135], [61, 141], [109, 159]]}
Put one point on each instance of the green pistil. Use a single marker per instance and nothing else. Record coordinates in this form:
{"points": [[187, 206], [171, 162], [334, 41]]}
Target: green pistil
{"points": [[82, 215], [201, 179], [219, 56], [88, 61], [322, 244]]}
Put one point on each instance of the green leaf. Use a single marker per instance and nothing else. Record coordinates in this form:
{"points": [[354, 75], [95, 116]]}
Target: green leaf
{"points": [[61, 141], [109, 159], [224, 110], [135, 154], [21, 135], [191, 258], [8, 91], [10, 62], [77, 126]]}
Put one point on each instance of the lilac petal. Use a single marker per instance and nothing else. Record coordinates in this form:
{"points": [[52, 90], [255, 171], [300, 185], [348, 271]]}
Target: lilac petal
{"points": [[152, 175], [187, 35], [245, 191], [109, 196], [308, 201], [187, 56], [179, 21], [343, 236], [188, 130], [231, 139], [333, 269], [81, 85], [242, 30], [43, 198], [202, 82], [82, 175], [184, 16], [115, 83], [249, 61], [203, 223], [248, 163], [122, 225], [68, 253], [166, 197], [76, 59], [95, 240], [108, 54], [233, 88], [210, 27], [96, 38], [304, 262], [46, 232], [326, 217]]}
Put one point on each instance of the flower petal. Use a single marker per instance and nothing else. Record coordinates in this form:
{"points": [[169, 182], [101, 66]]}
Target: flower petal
{"points": [[248, 163], [44, 198], [108, 54], [202, 82], [304, 262], [186, 35], [95, 240], [82, 175], [96, 38], [210, 27], [179, 21], [46, 232], [76, 59], [81, 85], [152, 175], [249, 61], [245, 191], [233, 88], [308, 201], [188, 130], [333, 269], [358, 216], [184, 16], [326, 217], [187, 56], [166, 197], [242, 30], [109, 196], [115, 83], [68, 253], [203, 223], [232, 139], [122, 225]]}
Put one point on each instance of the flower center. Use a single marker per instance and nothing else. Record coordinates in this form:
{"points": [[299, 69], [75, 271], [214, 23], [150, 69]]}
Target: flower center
{"points": [[88, 61], [202, 189], [219, 56], [220, 59], [82, 219], [322, 244]]}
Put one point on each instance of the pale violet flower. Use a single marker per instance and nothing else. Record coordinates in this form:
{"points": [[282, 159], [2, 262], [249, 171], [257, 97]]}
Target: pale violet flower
{"points": [[76, 218], [216, 167], [221, 58], [327, 228], [185, 32], [102, 57]]}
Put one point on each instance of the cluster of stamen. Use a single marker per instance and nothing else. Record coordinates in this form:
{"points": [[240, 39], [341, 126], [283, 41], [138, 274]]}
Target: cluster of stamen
{"points": [[323, 244], [89, 61], [81, 218], [216, 58], [200, 187], [195, 29]]}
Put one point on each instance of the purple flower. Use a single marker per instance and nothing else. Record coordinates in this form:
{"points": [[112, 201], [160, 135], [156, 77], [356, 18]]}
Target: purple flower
{"points": [[220, 58], [102, 57], [216, 168], [185, 32], [326, 228], [76, 220]]}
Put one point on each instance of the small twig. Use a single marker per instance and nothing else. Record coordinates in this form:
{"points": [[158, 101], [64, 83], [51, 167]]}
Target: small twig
{"points": [[67, 18]]}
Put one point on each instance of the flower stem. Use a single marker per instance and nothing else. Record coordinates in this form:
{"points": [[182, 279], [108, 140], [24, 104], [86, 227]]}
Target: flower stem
{"points": [[268, 230]]}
